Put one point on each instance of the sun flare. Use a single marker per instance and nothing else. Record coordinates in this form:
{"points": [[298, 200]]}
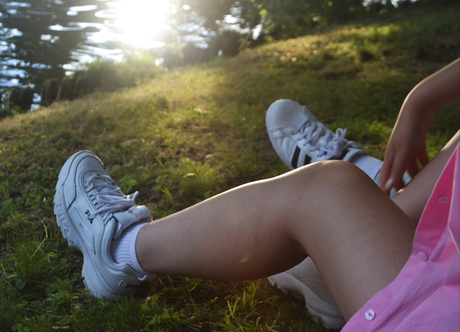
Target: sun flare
{"points": [[141, 20]]}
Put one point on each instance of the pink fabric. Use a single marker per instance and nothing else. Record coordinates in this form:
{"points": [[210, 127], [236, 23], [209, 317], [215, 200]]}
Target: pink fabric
{"points": [[425, 296]]}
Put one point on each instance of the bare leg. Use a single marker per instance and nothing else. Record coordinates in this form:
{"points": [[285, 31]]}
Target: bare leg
{"points": [[358, 238]]}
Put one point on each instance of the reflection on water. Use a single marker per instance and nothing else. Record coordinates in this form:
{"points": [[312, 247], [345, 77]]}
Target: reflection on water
{"points": [[42, 39]]}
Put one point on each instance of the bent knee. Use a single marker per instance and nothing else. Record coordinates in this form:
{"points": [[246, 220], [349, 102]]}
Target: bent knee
{"points": [[334, 168], [330, 174]]}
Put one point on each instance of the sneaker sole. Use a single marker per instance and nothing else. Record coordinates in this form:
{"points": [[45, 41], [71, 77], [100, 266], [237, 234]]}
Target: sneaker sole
{"points": [[334, 322]]}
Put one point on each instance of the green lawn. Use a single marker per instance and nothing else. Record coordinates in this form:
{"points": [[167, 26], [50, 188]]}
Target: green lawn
{"points": [[186, 135]]}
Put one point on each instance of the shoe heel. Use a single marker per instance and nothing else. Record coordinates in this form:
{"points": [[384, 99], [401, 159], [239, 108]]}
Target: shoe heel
{"points": [[93, 283], [284, 290]]}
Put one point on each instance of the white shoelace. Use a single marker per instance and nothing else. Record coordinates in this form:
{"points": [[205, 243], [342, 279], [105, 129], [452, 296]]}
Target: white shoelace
{"points": [[112, 200], [312, 131]]}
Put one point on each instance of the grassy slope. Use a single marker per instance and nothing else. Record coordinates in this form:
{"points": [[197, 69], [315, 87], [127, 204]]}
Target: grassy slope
{"points": [[189, 134]]}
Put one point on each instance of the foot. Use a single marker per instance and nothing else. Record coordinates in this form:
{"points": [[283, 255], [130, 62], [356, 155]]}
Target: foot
{"points": [[304, 281], [91, 211], [300, 139]]}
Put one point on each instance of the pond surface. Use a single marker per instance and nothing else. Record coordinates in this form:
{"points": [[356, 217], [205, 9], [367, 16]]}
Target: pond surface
{"points": [[42, 39]]}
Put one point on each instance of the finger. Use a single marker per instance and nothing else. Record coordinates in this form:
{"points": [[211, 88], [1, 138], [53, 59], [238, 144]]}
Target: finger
{"points": [[395, 177], [385, 174], [399, 184], [392, 182], [395, 182], [412, 168], [423, 157]]}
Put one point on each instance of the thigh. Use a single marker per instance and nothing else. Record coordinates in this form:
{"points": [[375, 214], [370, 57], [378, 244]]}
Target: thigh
{"points": [[358, 238]]}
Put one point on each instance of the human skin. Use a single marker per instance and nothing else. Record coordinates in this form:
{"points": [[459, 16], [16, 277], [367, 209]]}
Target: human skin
{"points": [[406, 147], [358, 238], [331, 211]]}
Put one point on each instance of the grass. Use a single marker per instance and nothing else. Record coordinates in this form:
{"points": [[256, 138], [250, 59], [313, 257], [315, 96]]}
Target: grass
{"points": [[184, 136]]}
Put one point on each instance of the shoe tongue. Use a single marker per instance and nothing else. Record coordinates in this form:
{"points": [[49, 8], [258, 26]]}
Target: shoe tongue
{"points": [[101, 181], [333, 147], [321, 133], [323, 142], [129, 217]]}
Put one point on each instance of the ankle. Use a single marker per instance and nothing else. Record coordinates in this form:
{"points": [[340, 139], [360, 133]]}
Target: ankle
{"points": [[369, 165], [123, 249]]}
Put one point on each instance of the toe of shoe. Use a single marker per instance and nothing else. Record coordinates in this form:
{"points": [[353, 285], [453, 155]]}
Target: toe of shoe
{"points": [[284, 113]]}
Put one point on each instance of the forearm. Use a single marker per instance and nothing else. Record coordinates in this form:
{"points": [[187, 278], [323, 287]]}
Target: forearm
{"points": [[441, 89], [437, 91]]}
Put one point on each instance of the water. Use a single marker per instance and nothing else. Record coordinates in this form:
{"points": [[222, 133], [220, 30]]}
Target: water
{"points": [[42, 39]]}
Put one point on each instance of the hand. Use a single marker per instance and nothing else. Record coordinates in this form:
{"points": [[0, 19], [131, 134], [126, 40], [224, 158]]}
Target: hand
{"points": [[407, 142], [405, 151]]}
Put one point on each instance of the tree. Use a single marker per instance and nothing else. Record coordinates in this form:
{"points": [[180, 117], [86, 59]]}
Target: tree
{"points": [[212, 10], [290, 18]]}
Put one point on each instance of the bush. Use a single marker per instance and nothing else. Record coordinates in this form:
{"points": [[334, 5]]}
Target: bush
{"points": [[50, 91], [21, 98], [100, 75], [176, 54], [227, 41]]}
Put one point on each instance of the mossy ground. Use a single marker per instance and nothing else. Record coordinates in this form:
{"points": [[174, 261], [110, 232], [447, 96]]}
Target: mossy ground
{"points": [[189, 134]]}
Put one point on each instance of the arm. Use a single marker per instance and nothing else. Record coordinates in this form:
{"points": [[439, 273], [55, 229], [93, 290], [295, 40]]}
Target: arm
{"points": [[407, 141]]}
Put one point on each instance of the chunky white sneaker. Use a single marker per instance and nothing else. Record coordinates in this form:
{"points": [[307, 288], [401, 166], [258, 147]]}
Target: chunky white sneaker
{"points": [[304, 281], [300, 139], [91, 211]]}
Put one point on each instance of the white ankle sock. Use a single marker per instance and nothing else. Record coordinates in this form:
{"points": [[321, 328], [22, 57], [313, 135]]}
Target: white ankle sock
{"points": [[123, 249], [372, 166], [369, 165]]}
